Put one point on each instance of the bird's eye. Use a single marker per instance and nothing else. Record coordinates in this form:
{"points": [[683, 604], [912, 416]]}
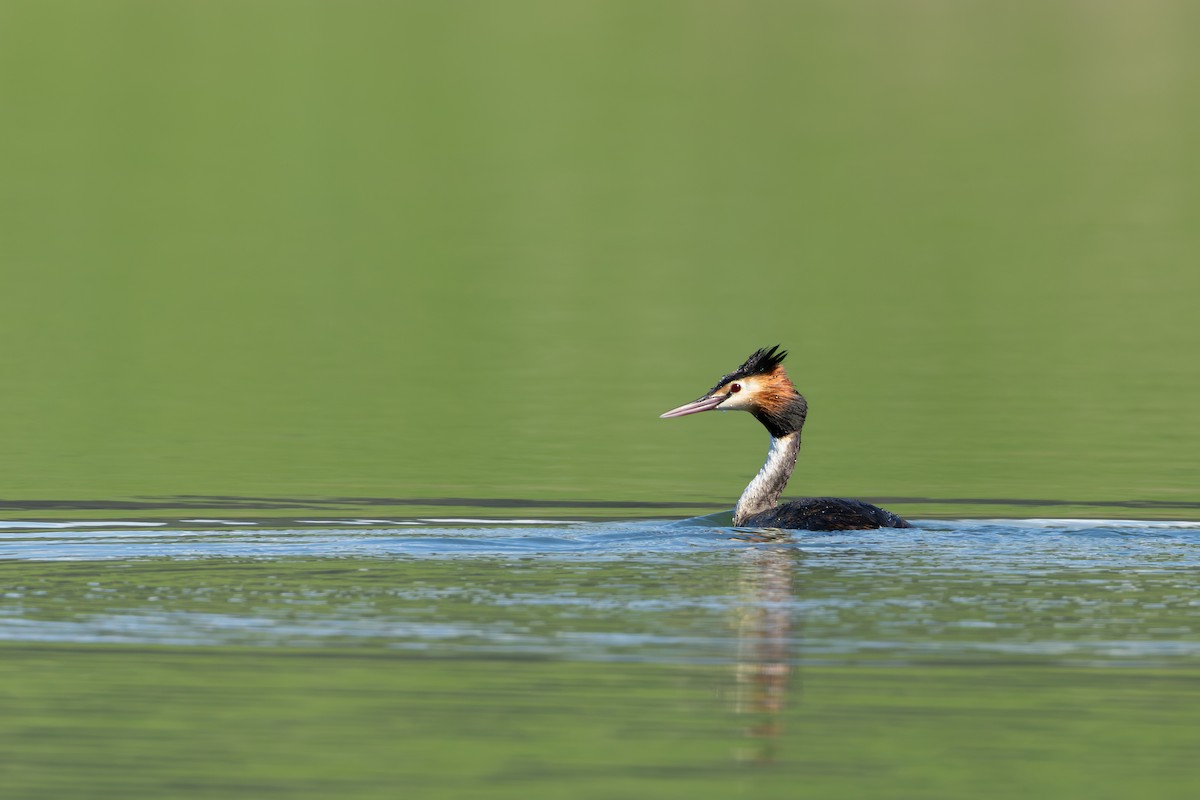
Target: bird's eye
{"points": [[735, 388]]}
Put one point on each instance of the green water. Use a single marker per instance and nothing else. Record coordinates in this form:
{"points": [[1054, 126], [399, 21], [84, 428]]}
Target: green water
{"points": [[424, 249], [254, 724], [283, 258], [825, 671]]}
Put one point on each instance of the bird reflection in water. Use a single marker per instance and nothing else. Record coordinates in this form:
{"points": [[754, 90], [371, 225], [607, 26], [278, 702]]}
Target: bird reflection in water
{"points": [[764, 634]]}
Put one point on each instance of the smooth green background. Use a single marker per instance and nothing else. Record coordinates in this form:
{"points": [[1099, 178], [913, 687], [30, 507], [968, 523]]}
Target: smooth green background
{"points": [[473, 249], [350, 249]]}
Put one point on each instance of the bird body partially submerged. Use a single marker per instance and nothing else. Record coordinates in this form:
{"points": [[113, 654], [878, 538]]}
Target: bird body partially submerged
{"points": [[761, 387], [824, 514]]}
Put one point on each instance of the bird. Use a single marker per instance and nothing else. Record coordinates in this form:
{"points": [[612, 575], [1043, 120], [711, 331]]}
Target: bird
{"points": [[761, 387]]}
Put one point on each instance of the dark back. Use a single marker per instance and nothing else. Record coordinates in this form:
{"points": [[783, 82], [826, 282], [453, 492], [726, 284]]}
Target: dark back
{"points": [[825, 514]]}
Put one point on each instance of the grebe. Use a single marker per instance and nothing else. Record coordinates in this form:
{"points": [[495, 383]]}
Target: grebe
{"points": [[761, 387]]}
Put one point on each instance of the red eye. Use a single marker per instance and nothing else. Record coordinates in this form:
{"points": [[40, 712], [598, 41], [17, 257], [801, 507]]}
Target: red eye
{"points": [[735, 388]]}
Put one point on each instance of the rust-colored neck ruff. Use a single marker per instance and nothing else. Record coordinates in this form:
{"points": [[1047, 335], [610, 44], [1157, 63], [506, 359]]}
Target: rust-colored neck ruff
{"points": [[778, 405]]}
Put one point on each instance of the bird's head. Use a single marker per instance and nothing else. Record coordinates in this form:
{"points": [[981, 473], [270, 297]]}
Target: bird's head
{"points": [[759, 386]]}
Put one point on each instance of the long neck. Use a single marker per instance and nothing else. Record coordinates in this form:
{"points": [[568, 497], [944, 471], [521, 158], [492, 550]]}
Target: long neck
{"points": [[763, 492]]}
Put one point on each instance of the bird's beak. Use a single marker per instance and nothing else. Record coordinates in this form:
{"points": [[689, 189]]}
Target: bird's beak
{"points": [[706, 403]]}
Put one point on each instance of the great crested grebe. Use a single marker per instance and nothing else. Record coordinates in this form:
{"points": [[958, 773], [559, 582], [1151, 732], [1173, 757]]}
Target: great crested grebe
{"points": [[761, 387]]}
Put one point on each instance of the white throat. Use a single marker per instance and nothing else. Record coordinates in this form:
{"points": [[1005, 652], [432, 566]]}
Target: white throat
{"points": [[764, 491]]}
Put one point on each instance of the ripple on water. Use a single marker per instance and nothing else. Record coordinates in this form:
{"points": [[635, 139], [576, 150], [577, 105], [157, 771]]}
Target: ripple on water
{"points": [[1110, 592]]}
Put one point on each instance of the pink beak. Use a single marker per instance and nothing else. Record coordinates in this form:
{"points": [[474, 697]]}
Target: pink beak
{"points": [[696, 406]]}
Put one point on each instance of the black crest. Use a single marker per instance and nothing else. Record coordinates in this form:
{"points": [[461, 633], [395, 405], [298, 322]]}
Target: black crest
{"points": [[760, 362]]}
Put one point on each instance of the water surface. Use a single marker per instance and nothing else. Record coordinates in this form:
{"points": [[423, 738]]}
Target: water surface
{"points": [[981, 657], [305, 249]]}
